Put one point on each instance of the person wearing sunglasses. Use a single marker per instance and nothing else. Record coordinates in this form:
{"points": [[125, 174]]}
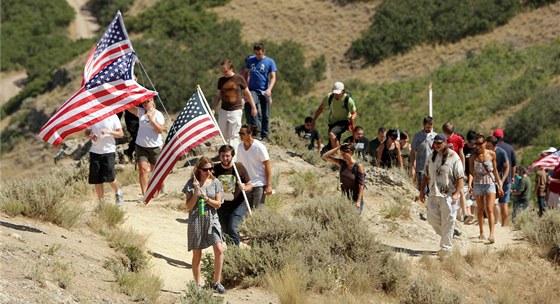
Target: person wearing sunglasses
{"points": [[204, 195], [443, 174], [484, 183]]}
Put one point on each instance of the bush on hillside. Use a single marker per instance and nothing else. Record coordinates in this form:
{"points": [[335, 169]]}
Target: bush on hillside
{"points": [[104, 10], [188, 36], [326, 242], [544, 231], [47, 197], [541, 115], [395, 30]]}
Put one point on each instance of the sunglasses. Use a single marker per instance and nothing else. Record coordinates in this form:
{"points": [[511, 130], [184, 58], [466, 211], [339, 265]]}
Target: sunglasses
{"points": [[206, 169], [480, 143], [438, 142]]}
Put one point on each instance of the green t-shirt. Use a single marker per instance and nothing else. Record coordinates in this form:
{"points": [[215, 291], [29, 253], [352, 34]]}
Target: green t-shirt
{"points": [[337, 111], [525, 189]]}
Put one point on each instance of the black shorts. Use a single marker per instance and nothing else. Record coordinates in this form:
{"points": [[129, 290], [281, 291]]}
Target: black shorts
{"points": [[147, 154], [101, 168], [339, 127]]}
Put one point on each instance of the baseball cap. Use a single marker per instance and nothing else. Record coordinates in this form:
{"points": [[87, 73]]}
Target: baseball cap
{"points": [[549, 150], [440, 137], [338, 87], [498, 133]]}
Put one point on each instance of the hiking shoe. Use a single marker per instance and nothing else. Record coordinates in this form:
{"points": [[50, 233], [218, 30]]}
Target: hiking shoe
{"points": [[119, 198], [219, 288]]}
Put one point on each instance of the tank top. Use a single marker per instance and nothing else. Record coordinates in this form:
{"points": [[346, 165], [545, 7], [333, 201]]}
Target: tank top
{"points": [[389, 158], [483, 172]]}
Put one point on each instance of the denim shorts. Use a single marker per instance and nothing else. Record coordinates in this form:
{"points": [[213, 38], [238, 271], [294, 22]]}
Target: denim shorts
{"points": [[481, 189]]}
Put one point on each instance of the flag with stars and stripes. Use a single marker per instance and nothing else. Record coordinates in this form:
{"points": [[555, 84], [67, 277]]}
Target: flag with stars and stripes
{"points": [[192, 127], [551, 160], [113, 44], [110, 91], [108, 87]]}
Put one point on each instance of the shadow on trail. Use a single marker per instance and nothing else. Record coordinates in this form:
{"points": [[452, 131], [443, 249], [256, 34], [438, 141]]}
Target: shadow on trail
{"points": [[21, 227], [411, 252], [172, 262]]}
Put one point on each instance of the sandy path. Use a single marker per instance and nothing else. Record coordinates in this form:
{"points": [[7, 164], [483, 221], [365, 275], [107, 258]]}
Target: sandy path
{"points": [[9, 84], [84, 25]]}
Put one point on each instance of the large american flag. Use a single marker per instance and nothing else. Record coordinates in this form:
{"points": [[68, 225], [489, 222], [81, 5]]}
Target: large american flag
{"points": [[192, 127], [108, 87], [551, 160], [113, 44]]}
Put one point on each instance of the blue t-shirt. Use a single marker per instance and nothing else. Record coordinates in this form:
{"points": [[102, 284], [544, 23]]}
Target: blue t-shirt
{"points": [[511, 157], [260, 69], [501, 158]]}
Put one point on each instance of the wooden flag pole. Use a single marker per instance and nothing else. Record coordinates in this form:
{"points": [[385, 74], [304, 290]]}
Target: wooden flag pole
{"points": [[224, 141]]}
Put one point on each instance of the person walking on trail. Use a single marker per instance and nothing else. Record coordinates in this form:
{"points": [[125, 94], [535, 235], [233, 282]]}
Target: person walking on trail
{"points": [[234, 208], [254, 156], [231, 89], [102, 156], [352, 175], [522, 193], [484, 183], [501, 210], [261, 71], [342, 113], [359, 141], [149, 139], [443, 174], [499, 134], [204, 195], [421, 148], [374, 144]]}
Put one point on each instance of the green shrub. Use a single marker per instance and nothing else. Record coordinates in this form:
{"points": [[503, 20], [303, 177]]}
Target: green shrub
{"points": [[324, 239], [141, 286], [395, 30], [544, 232], [46, 197], [110, 214], [132, 245], [104, 10]]}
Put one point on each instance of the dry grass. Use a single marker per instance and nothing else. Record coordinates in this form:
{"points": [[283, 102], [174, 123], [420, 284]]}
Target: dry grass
{"points": [[142, 286], [290, 284], [397, 209]]}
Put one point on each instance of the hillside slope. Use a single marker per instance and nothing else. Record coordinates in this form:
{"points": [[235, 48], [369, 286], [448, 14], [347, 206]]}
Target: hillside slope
{"points": [[323, 27]]}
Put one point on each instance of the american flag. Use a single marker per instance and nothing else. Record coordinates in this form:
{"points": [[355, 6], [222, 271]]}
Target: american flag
{"points": [[107, 87], [113, 44], [110, 91], [192, 127], [551, 160]]}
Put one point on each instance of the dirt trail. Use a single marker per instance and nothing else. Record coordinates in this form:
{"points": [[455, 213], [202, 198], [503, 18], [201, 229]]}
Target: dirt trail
{"points": [[10, 84], [84, 26]]}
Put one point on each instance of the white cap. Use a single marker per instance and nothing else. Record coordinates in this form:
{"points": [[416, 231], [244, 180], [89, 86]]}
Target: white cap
{"points": [[338, 87], [549, 150]]}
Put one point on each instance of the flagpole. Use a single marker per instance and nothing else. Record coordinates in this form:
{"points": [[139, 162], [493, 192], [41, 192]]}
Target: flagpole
{"points": [[430, 101], [224, 141]]}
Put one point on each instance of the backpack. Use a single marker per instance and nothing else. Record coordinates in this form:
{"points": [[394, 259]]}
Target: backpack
{"points": [[348, 95]]}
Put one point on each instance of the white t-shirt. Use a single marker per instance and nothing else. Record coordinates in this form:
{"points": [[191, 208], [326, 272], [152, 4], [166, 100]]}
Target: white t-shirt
{"points": [[148, 137], [105, 143], [253, 160]]}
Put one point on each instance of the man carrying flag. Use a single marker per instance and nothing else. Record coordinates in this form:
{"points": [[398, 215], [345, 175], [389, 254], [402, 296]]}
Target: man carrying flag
{"points": [[192, 127], [108, 87]]}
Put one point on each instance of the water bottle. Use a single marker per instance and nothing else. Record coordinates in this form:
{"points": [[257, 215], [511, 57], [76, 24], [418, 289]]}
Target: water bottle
{"points": [[201, 206]]}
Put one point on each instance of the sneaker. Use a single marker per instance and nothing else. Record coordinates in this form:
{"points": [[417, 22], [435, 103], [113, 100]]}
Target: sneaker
{"points": [[219, 288], [119, 198]]}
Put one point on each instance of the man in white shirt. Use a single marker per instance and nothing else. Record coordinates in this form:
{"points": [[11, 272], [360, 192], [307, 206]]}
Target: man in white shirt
{"points": [[102, 156], [254, 156]]}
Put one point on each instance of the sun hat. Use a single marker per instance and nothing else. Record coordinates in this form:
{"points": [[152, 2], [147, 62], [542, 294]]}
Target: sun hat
{"points": [[338, 87]]}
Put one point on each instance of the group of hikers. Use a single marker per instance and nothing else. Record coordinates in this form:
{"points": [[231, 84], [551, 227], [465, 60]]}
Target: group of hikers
{"points": [[457, 177]]}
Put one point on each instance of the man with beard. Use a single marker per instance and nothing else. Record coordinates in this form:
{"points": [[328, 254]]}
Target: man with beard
{"points": [[233, 209]]}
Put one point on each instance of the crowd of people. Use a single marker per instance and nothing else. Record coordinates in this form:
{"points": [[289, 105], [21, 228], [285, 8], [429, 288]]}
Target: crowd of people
{"points": [[457, 177]]}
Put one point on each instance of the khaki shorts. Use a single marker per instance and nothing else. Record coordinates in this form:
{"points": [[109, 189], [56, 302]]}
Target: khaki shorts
{"points": [[147, 154]]}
